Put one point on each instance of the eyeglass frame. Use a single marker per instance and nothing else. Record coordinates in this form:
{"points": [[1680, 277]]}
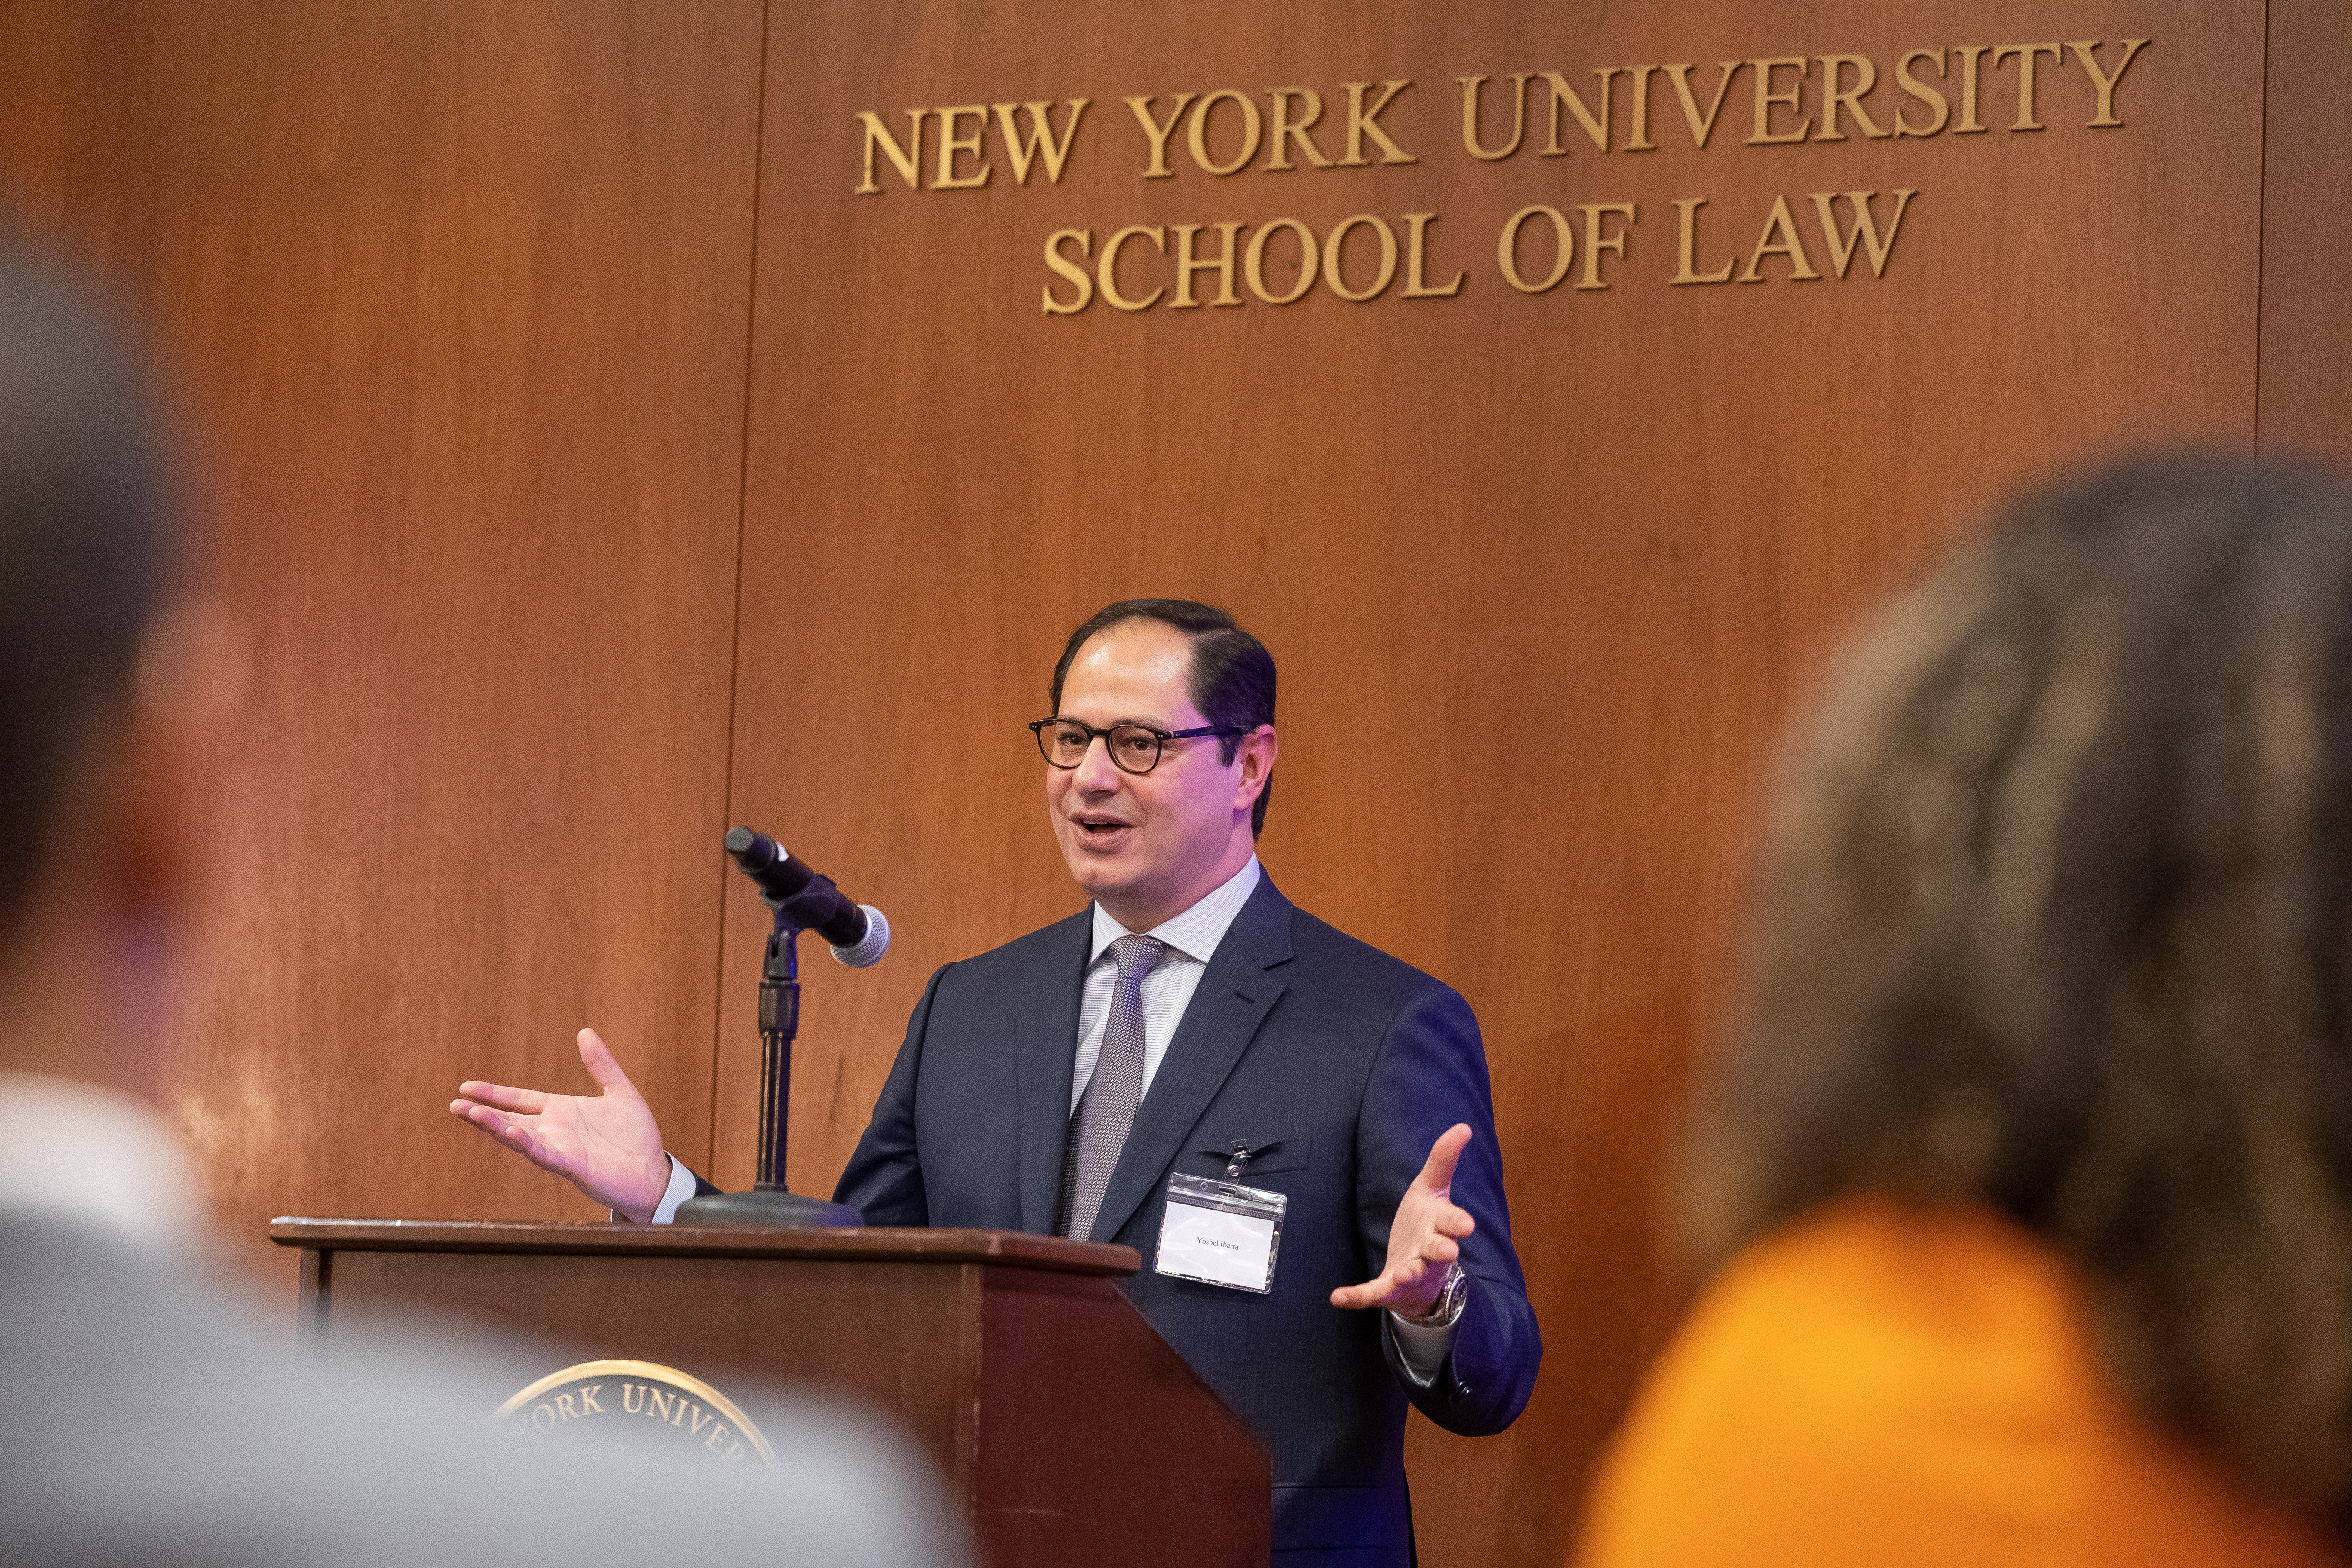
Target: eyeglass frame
{"points": [[1037, 729]]}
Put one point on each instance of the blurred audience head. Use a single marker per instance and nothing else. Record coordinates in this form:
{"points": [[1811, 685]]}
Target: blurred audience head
{"points": [[87, 560], [2054, 914], [113, 691]]}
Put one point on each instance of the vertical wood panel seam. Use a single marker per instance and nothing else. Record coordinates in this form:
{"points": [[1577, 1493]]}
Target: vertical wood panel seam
{"points": [[2261, 218], [735, 645]]}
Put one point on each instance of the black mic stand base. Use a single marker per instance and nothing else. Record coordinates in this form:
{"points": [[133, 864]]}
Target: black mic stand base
{"points": [[788, 1210]]}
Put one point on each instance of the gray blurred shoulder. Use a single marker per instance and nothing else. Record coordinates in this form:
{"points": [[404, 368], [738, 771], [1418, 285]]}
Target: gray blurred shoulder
{"points": [[154, 1418]]}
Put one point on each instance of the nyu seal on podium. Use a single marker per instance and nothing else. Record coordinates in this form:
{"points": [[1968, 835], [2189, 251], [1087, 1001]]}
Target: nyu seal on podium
{"points": [[612, 1402]]}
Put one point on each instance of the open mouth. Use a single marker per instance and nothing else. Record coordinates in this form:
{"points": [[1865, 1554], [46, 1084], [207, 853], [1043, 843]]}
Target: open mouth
{"points": [[1099, 826]]}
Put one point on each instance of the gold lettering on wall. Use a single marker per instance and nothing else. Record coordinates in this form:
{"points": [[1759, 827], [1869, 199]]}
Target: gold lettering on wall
{"points": [[1335, 245], [1767, 100], [1596, 126], [1703, 127], [1363, 122], [1158, 169], [1023, 152], [951, 144], [2087, 52], [1507, 250], [1639, 141], [1254, 262], [1594, 242], [1287, 131], [1781, 224], [1199, 134], [1470, 95], [906, 159], [1841, 244], [1222, 265], [1969, 124], [1362, 257], [1106, 270], [1688, 271], [2026, 55], [1865, 77], [1063, 266], [1416, 261], [1923, 92], [1228, 128]]}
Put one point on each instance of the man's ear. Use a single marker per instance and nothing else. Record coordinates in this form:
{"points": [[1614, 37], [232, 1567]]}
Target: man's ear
{"points": [[1255, 755]]}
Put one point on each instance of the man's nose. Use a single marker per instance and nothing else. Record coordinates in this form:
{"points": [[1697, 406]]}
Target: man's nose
{"points": [[1097, 774]]}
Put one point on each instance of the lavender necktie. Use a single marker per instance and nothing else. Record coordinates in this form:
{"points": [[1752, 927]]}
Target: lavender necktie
{"points": [[1106, 1110]]}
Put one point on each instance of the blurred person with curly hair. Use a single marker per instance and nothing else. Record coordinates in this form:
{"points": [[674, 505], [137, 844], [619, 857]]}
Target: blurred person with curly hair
{"points": [[2027, 1182]]}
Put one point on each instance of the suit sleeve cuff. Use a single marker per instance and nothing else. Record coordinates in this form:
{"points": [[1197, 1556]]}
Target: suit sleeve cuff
{"points": [[680, 1188], [1423, 1349]]}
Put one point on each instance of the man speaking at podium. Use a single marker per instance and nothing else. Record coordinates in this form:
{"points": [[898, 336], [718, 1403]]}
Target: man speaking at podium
{"points": [[1193, 1024]]}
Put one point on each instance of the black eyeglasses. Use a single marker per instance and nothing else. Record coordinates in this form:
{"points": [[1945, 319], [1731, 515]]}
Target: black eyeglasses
{"points": [[1133, 748]]}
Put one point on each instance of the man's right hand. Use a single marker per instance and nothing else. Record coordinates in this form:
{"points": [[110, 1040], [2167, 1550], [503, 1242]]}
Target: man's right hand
{"points": [[609, 1147]]}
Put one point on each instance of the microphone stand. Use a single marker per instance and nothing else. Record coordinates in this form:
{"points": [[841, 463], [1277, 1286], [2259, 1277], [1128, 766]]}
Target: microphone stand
{"points": [[768, 1203]]}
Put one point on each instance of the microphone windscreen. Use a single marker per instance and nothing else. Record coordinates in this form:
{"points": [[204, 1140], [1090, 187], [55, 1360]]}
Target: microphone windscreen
{"points": [[873, 945]]}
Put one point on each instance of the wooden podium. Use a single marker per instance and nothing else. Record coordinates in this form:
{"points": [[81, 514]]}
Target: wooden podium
{"points": [[1060, 1418]]}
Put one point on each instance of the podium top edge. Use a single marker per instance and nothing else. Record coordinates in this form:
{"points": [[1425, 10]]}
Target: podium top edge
{"points": [[1012, 1248]]}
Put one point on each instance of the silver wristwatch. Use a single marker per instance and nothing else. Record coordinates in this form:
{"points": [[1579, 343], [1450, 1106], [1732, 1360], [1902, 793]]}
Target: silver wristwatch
{"points": [[1446, 1310]]}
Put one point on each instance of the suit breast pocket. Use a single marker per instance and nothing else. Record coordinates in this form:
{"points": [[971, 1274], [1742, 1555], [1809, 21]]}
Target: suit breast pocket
{"points": [[1268, 1156]]}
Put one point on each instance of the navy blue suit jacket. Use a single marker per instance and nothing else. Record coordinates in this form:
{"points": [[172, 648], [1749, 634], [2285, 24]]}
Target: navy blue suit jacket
{"points": [[1343, 1065]]}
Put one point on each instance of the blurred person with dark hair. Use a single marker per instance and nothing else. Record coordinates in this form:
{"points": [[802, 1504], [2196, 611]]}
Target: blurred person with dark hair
{"points": [[2028, 1178], [148, 1417]]}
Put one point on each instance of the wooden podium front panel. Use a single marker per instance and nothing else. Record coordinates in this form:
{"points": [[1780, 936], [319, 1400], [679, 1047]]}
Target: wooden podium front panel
{"points": [[1069, 1430], [1058, 1359], [884, 1332]]}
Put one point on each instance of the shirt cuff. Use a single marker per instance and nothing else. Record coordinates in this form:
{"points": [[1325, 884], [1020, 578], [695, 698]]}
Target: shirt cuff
{"points": [[1423, 1349], [680, 1188]]}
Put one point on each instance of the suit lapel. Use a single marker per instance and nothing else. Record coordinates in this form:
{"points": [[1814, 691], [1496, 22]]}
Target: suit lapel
{"points": [[1232, 999], [1046, 1057]]}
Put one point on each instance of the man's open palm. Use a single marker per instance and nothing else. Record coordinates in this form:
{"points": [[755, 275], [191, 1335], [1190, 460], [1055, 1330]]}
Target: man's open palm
{"points": [[608, 1146], [1426, 1237]]}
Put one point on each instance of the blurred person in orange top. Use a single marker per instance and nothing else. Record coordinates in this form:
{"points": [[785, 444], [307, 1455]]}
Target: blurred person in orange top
{"points": [[2028, 1178]]}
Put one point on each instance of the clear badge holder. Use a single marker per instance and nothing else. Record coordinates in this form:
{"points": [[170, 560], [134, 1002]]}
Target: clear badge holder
{"points": [[1221, 1233]]}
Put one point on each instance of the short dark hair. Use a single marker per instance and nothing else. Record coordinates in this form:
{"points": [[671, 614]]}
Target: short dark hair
{"points": [[2055, 915], [1231, 680], [87, 558]]}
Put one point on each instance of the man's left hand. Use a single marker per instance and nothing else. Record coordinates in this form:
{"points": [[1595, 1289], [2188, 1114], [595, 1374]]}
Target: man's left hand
{"points": [[1425, 1238]]}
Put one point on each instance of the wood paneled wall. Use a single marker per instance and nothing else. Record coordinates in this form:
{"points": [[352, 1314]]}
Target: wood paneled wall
{"points": [[455, 298], [597, 468]]}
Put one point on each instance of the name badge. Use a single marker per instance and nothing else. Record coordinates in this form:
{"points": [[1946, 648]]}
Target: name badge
{"points": [[1220, 1232]]}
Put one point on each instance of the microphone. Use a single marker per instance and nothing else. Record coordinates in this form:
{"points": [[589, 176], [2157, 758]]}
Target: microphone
{"points": [[857, 933]]}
